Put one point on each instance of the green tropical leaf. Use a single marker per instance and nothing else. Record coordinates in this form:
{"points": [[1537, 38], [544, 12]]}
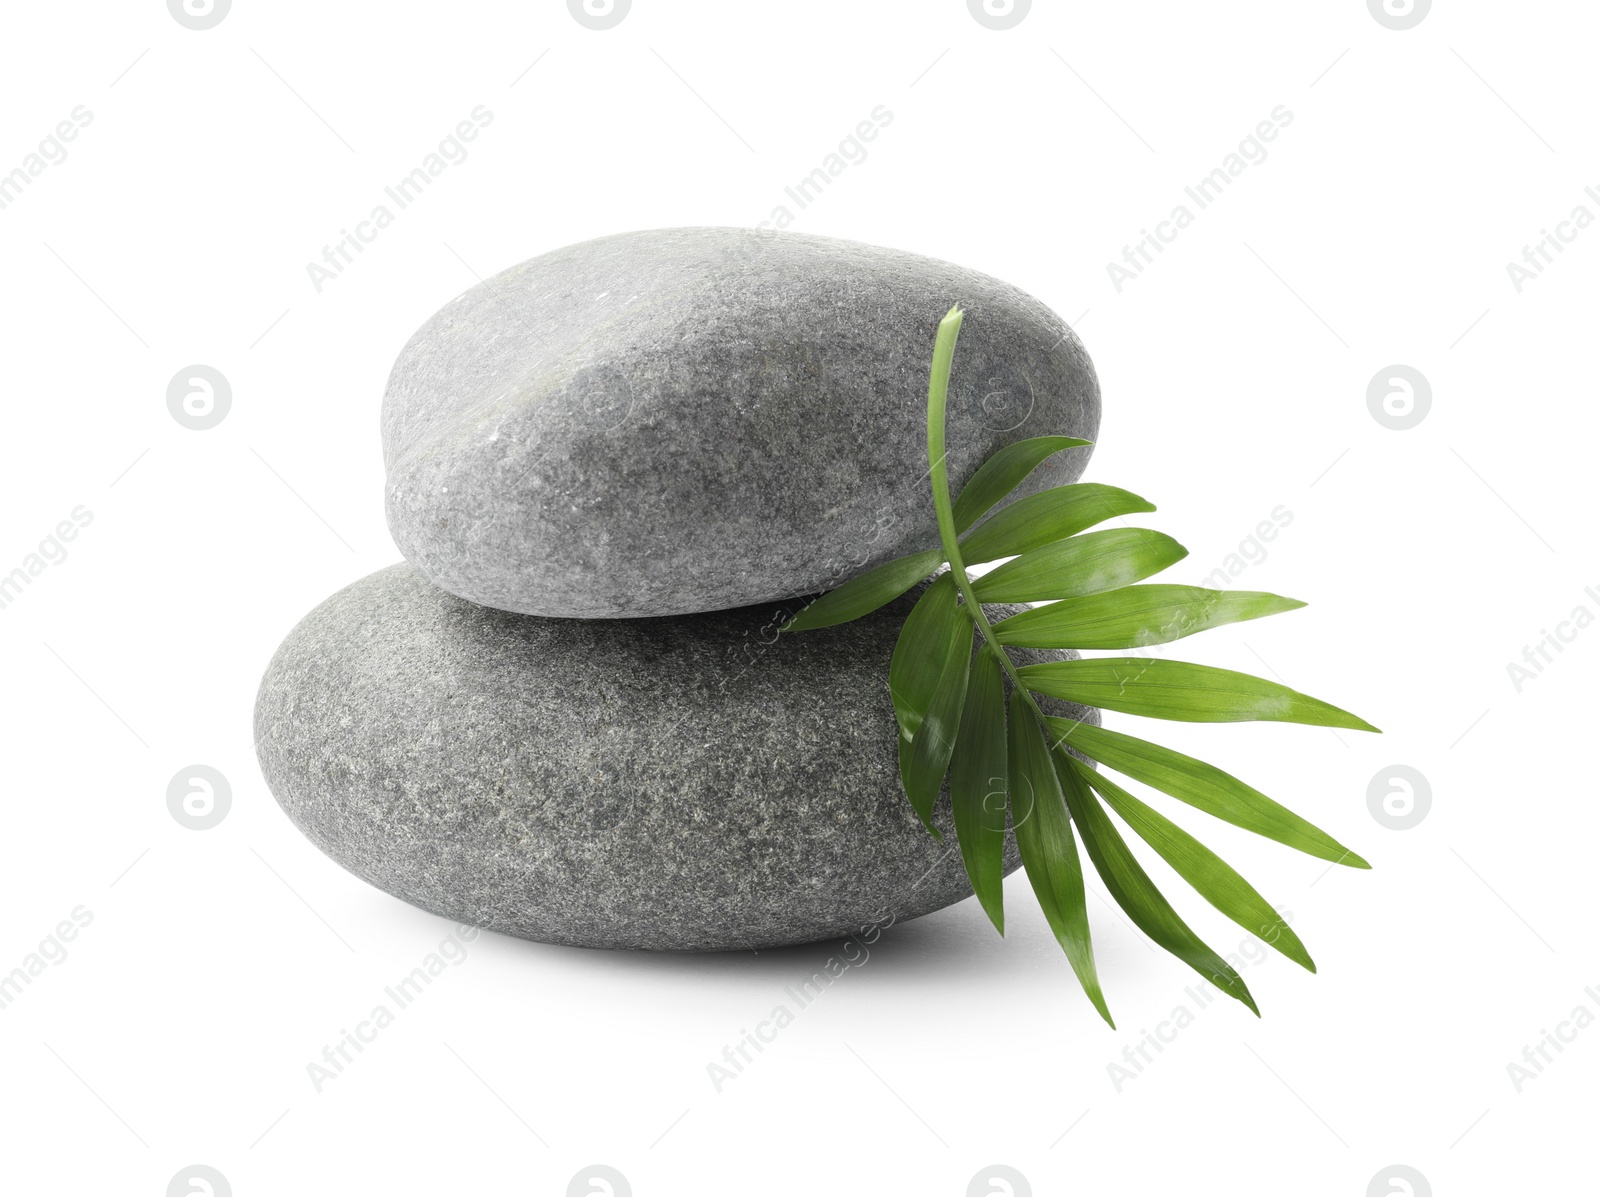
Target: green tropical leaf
{"points": [[1080, 565], [1162, 689], [921, 651], [1133, 890], [1049, 515], [1136, 616], [865, 594], [978, 784], [951, 718], [1049, 852], [1211, 876], [1202, 786], [923, 764], [1003, 473]]}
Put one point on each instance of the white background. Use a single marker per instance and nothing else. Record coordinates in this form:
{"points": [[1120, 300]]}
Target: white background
{"points": [[218, 964]]}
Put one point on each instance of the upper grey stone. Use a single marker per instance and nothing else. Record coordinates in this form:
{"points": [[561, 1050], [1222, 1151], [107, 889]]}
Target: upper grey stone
{"points": [[692, 782], [693, 419]]}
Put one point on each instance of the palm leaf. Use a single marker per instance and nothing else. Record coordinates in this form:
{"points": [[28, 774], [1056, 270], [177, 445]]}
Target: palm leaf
{"points": [[1003, 473], [1049, 852], [978, 784], [1210, 876], [923, 764], [1162, 689], [921, 651], [1202, 786], [1136, 616], [1131, 886], [1080, 565], [1049, 515], [953, 717], [865, 594]]}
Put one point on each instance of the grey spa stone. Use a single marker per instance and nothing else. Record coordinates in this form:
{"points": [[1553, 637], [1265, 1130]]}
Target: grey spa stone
{"points": [[681, 420], [689, 782]]}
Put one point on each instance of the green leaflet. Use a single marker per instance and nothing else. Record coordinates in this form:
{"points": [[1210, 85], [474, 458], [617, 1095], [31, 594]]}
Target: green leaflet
{"points": [[1211, 876], [1202, 786], [978, 784], [1049, 515], [1136, 616], [1049, 853], [1080, 565], [923, 764], [1131, 886], [1003, 473], [1179, 690], [865, 594], [921, 651]]}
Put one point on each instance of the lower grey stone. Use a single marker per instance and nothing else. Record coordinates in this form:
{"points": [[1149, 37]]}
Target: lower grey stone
{"points": [[683, 782]]}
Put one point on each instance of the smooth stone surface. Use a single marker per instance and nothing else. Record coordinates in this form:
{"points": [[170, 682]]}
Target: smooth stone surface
{"points": [[688, 420], [692, 782]]}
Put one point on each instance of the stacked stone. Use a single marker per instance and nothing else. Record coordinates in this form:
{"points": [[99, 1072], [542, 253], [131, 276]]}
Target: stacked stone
{"points": [[614, 471]]}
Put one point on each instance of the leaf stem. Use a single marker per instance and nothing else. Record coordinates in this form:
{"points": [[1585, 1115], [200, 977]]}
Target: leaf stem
{"points": [[944, 349]]}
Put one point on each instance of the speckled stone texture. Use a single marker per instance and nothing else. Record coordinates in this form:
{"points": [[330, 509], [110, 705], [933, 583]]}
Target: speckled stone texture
{"points": [[694, 782], [686, 420]]}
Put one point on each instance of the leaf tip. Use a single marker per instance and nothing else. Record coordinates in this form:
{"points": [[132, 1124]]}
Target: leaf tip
{"points": [[1351, 722]]}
